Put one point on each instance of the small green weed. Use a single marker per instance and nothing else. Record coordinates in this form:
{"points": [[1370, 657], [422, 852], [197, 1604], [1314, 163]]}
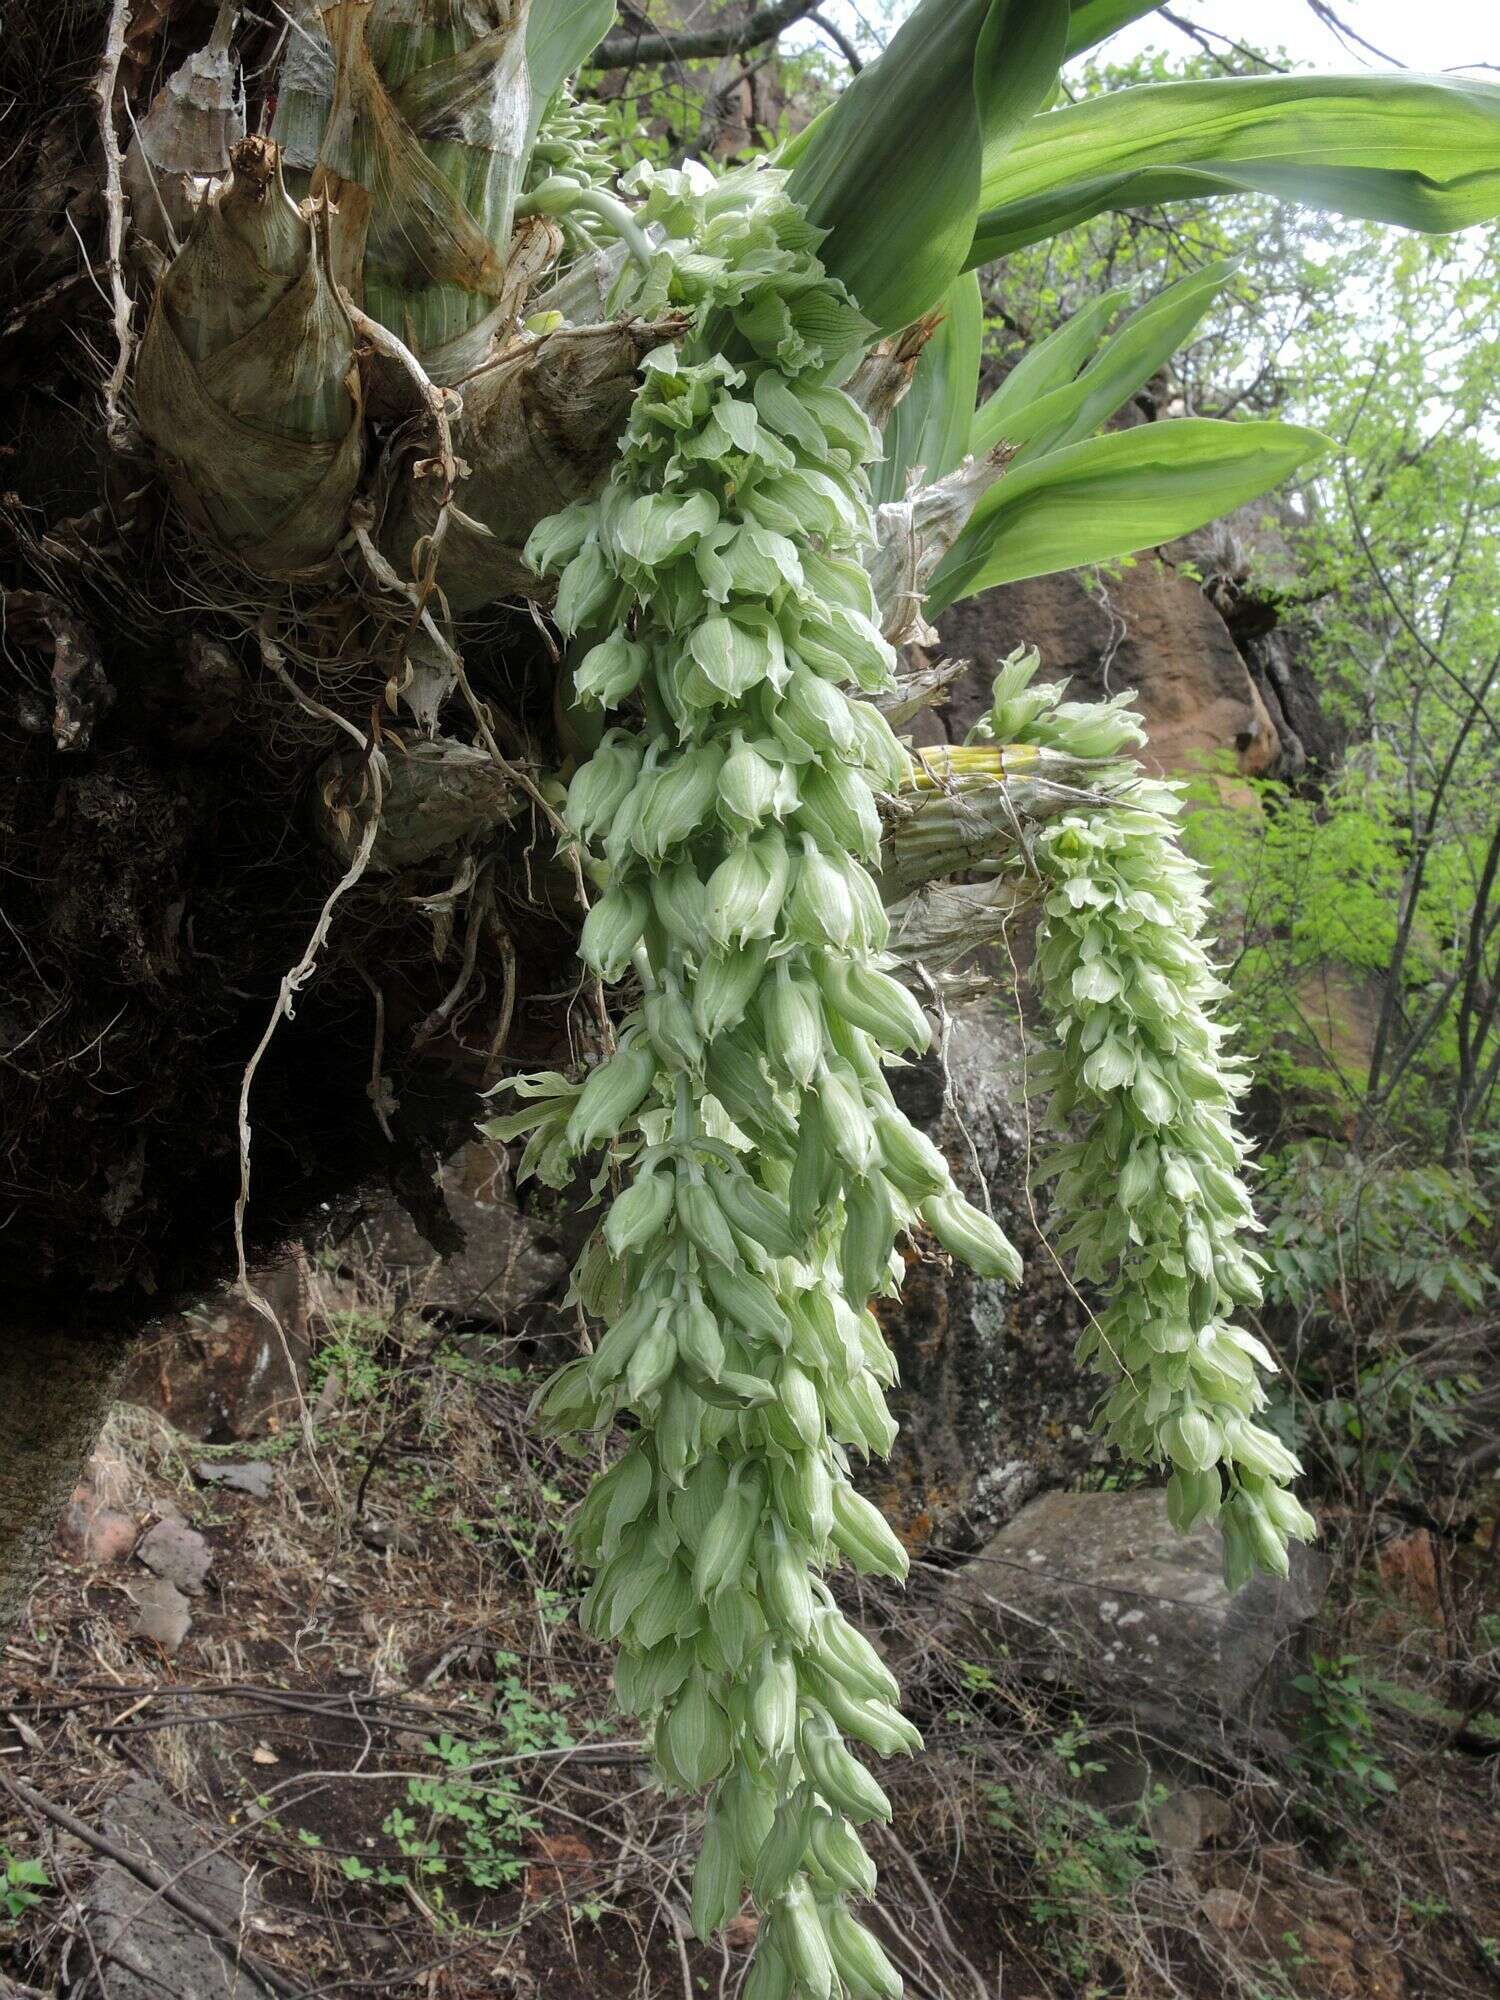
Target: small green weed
{"points": [[22, 1883], [1083, 1863], [1336, 1750], [467, 1823]]}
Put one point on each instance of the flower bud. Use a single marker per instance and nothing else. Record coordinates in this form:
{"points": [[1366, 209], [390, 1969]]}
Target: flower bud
{"points": [[748, 787], [859, 1960], [846, 1123], [611, 1095], [812, 718], [967, 1233], [601, 786], [717, 1881], [869, 1230], [865, 1536], [793, 1017], [908, 1158], [613, 928], [837, 806], [821, 908], [725, 987], [1192, 1439], [703, 1220], [694, 1740], [872, 1000], [610, 671], [699, 1341], [681, 905], [640, 1213], [682, 795], [754, 1212], [840, 1853], [669, 1023], [799, 1931], [876, 747], [773, 1704]]}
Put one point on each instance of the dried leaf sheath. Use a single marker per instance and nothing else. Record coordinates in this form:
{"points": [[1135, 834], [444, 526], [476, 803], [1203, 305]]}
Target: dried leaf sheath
{"points": [[246, 381], [430, 113], [539, 430], [194, 120]]}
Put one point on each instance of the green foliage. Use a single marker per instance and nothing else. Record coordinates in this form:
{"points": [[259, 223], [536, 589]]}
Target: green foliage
{"points": [[1336, 1748], [930, 427], [467, 1825], [1418, 151], [1081, 1862], [23, 1882], [1358, 1256], [893, 170], [1109, 496], [1389, 1237]]}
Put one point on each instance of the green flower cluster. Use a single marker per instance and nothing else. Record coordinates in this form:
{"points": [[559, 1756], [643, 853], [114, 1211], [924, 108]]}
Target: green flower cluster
{"points": [[571, 145], [764, 1169], [1149, 1190]]}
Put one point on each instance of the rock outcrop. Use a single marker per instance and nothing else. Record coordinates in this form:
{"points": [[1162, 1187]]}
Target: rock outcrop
{"points": [[1205, 630], [1150, 628], [1117, 1598], [991, 1404]]}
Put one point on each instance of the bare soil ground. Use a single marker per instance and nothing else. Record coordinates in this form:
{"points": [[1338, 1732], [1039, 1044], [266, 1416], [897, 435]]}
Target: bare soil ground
{"points": [[383, 1713]]}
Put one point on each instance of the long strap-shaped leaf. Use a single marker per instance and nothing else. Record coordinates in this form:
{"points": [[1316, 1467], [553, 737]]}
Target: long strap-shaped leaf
{"points": [[894, 170], [559, 35], [1094, 21], [1112, 495], [1036, 424], [930, 426], [1420, 151]]}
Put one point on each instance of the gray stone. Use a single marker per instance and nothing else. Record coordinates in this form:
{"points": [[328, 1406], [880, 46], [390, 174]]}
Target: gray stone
{"points": [[1187, 1819], [221, 1371], [1112, 1593], [162, 1613], [991, 1403], [500, 1260], [254, 1477], [177, 1554], [149, 1948]]}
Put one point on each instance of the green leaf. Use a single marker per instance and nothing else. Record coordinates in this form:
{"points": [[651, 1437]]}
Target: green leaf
{"points": [[1040, 423], [1049, 365], [1419, 151], [1112, 495], [930, 425], [1094, 21], [559, 35], [893, 171]]}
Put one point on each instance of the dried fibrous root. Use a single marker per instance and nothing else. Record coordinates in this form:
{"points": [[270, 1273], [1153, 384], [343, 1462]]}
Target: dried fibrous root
{"points": [[912, 537], [915, 687], [440, 795], [885, 374]]}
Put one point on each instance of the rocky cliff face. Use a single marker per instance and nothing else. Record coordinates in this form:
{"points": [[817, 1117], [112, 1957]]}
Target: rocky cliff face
{"points": [[992, 1406], [1194, 628]]}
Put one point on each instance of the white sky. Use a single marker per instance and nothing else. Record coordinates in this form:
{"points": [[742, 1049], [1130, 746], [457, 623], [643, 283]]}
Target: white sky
{"points": [[1419, 34], [1431, 35]]}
